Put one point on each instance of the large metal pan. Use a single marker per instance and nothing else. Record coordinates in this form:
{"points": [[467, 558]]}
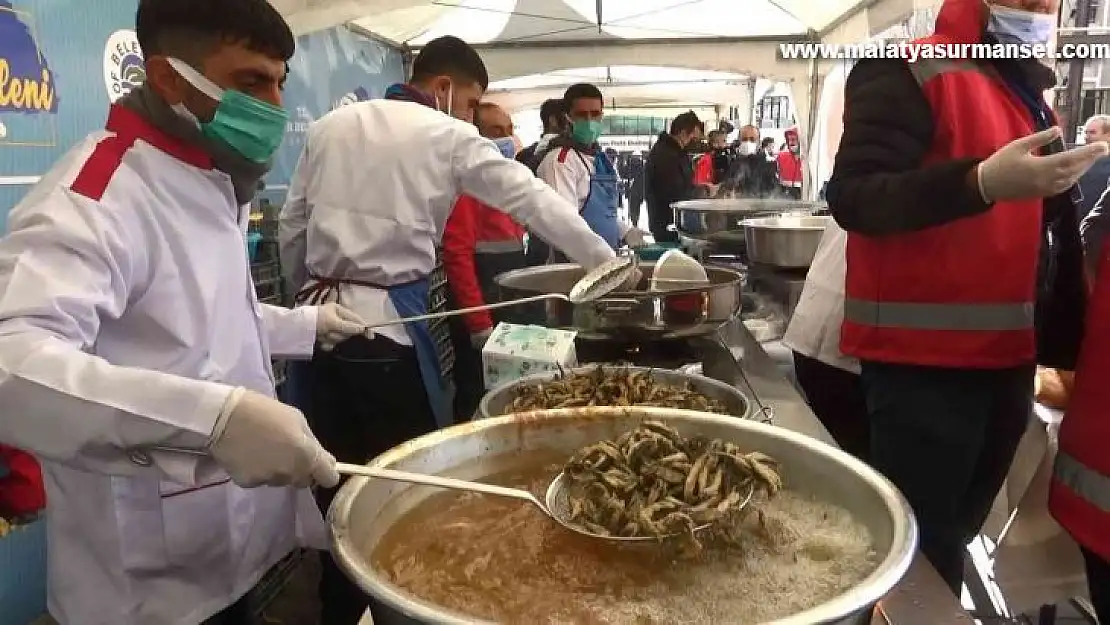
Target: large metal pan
{"points": [[365, 509], [638, 315], [787, 241], [498, 401], [699, 219]]}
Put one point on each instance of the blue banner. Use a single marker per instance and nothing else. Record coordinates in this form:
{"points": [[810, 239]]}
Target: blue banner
{"points": [[62, 63], [28, 98], [331, 69]]}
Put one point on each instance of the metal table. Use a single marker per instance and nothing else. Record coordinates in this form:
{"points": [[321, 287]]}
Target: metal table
{"points": [[921, 598]]}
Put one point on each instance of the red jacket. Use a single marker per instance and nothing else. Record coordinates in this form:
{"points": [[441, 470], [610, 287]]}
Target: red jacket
{"points": [[21, 490], [1079, 497], [960, 294], [475, 228], [790, 164], [703, 169]]}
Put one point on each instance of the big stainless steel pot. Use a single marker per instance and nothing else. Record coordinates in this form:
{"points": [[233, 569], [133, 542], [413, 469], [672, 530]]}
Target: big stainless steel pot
{"points": [[365, 509], [639, 315], [700, 219], [785, 241], [497, 402]]}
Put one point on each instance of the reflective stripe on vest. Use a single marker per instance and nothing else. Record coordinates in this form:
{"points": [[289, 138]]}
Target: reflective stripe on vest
{"points": [[971, 317], [924, 70], [1088, 484], [498, 247]]}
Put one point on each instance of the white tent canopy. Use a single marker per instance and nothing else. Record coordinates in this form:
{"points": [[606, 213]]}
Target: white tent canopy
{"points": [[522, 38], [492, 21], [625, 86]]}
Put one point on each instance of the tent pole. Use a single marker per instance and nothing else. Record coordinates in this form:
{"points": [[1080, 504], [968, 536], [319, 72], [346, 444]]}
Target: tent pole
{"points": [[1070, 107]]}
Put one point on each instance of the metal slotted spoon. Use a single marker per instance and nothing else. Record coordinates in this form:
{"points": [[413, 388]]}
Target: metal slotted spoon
{"points": [[598, 283], [556, 504]]}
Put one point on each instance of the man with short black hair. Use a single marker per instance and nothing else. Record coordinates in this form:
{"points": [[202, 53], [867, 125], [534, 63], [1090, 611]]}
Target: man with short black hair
{"points": [[134, 355], [669, 174], [579, 170], [367, 204], [553, 115]]}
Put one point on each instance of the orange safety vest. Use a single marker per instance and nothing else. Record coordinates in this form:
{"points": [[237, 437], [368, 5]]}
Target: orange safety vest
{"points": [[961, 294], [1080, 494]]}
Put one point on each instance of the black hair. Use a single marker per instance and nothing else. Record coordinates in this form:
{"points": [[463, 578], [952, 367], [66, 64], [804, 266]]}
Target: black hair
{"points": [[713, 134], [767, 141], [685, 122], [581, 90], [553, 108], [450, 56], [192, 29]]}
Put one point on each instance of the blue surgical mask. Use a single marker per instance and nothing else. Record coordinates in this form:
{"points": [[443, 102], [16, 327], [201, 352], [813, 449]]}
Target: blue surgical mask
{"points": [[247, 125], [507, 146], [1020, 27], [585, 131]]}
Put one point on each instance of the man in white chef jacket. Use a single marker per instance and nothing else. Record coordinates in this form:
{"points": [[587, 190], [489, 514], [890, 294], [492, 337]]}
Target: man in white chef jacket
{"points": [[129, 324], [829, 379], [577, 167], [366, 208]]}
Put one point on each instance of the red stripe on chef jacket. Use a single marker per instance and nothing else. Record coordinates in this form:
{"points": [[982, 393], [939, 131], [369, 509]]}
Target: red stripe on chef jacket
{"points": [[472, 221], [128, 127]]}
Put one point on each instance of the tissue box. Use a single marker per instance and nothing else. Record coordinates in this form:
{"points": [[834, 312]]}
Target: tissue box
{"points": [[515, 351]]}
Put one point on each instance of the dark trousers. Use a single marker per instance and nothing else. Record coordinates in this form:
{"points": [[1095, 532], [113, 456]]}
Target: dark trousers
{"points": [[946, 438], [1098, 583], [635, 203], [238, 613], [836, 397], [469, 385], [794, 193], [366, 398]]}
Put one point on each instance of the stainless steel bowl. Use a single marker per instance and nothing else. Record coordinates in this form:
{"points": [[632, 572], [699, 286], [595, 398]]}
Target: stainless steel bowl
{"points": [[498, 401], [638, 315], [786, 241], [365, 509], [699, 219]]}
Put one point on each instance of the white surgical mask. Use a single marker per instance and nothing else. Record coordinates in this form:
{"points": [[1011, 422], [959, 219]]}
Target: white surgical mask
{"points": [[1020, 27], [747, 148]]}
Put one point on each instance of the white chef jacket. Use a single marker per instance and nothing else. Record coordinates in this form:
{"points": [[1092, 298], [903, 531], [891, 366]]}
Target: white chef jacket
{"points": [[127, 315], [814, 329], [571, 179], [375, 185]]}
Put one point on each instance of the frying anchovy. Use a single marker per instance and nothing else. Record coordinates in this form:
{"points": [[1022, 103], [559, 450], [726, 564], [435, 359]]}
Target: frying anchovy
{"points": [[653, 482]]}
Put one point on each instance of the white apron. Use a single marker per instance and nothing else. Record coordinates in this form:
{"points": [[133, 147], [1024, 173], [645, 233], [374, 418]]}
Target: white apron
{"points": [[124, 264]]}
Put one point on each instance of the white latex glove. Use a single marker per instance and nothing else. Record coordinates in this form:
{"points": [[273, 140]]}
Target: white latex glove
{"points": [[260, 441], [335, 324], [634, 238], [1015, 173], [478, 339]]}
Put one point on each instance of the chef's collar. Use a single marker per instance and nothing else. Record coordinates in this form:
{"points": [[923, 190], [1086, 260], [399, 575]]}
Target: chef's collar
{"points": [[182, 139]]}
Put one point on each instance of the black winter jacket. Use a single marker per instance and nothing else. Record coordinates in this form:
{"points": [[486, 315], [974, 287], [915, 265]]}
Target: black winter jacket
{"points": [[879, 187]]}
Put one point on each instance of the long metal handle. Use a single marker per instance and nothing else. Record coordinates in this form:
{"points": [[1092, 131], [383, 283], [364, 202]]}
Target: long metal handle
{"points": [[435, 480], [466, 311]]}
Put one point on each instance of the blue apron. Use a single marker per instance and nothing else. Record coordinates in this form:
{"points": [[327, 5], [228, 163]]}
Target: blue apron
{"points": [[600, 208], [411, 300]]}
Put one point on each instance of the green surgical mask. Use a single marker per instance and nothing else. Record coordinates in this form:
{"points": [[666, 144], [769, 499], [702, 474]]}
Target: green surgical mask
{"points": [[249, 126], [585, 131]]}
